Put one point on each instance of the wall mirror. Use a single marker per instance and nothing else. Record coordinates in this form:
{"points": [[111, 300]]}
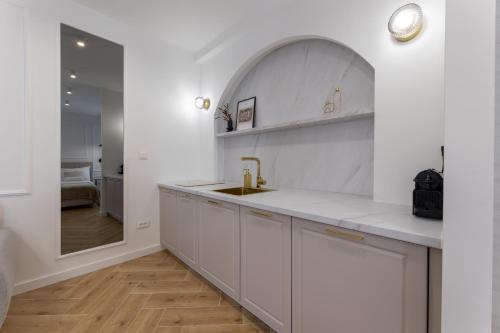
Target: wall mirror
{"points": [[91, 141]]}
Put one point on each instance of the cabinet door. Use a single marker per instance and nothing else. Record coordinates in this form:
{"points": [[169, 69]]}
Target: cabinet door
{"points": [[349, 282], [187, 229], [219, 245], [114, 198], [266, 267], [119, 200], [168, 220]]}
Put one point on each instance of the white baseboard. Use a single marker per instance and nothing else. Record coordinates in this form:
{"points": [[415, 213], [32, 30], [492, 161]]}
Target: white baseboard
{"points": [[49, 279]]}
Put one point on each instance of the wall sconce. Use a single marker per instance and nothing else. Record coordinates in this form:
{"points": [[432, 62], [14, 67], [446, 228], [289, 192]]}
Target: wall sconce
{"points": [[406, 22], [202, 103]]}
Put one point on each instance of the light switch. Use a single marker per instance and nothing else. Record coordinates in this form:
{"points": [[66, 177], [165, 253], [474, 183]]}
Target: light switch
{"points": [[143, 155]]}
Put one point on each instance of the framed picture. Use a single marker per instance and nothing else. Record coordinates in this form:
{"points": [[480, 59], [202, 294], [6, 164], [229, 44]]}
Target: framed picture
{"points": [[246, 114]]}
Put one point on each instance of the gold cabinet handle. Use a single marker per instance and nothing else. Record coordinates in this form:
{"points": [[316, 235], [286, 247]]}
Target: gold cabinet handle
{"points": [[258, 213], [214, 203], [344, 235]]}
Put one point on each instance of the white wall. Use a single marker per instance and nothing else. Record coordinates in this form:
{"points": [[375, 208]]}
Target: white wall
{"points": [[80, 138], [469, 138], [409, 78], [496, 226], [14, 118], [160, 84]]}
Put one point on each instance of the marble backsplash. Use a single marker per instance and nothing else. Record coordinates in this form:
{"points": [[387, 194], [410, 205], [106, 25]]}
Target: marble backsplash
{"points": [[334, 157], [293, 83]]}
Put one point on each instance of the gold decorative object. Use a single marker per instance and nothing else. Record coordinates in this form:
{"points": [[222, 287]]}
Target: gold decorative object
{"points": [[333, 102]]}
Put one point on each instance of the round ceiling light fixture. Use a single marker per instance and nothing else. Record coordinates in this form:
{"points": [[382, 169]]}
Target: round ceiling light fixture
{"points": [[69, 91], [202, 103], [72, 75], [66, 103], [406, 22]]}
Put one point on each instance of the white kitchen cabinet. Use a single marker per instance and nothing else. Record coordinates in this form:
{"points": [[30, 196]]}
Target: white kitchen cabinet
{"points": [[266, 267], [349, 282], [114, 197], [219, 245], [168, 220], [435, 289], [187, 229]]}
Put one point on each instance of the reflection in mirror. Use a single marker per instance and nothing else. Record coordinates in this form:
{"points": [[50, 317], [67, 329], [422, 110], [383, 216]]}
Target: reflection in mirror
{"points": [[91, 141]]}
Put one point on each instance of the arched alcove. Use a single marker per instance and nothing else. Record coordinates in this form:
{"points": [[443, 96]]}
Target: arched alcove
{"points": [[299, 144], [293, 81]]}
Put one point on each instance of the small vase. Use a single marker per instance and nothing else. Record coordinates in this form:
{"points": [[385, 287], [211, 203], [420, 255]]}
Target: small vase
{"points": [[229, 127]]}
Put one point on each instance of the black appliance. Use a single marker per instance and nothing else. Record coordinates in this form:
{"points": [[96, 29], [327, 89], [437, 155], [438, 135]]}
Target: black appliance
{"points": [[428, 195]]}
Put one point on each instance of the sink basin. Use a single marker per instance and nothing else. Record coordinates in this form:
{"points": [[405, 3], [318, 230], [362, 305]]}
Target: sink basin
{"points": [[242, 190]]}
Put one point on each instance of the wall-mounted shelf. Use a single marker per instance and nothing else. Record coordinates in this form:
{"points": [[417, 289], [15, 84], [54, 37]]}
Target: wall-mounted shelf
{"points": [[323, 120]]}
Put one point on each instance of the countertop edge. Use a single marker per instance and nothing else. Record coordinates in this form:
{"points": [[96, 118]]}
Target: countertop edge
{"points": [[348, 223]]}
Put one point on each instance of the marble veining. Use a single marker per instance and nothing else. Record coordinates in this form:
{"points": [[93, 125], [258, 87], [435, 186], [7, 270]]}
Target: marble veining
{"points": [[334, 157], [353, 212], [291, 84]]}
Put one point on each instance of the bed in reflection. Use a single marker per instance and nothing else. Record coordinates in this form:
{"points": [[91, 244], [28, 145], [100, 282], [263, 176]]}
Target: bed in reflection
{"points": [[83, 224], [77, 185]]}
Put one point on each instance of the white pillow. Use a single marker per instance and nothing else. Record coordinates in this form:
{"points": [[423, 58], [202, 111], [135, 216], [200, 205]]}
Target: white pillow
{"points": [[75, 174]]}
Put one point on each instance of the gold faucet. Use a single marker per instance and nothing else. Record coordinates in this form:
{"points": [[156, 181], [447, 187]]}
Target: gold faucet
{"points": [[260, 181]]}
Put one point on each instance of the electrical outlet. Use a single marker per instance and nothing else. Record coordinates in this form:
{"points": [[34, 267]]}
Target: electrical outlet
{"points": [[143, 224]]}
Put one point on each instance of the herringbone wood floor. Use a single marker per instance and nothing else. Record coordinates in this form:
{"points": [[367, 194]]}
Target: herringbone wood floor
{"points": [[155, 293]]}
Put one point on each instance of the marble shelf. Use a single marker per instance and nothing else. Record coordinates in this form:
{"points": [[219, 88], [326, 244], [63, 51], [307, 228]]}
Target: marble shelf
{"points": [[323, 120]]}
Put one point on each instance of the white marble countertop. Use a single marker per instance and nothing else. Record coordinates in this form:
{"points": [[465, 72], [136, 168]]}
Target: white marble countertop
{"points": [[342, 210]]}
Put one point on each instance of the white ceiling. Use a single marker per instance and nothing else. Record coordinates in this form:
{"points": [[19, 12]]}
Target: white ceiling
{"points": [[98, 66], [85, 99], [189, 24]]}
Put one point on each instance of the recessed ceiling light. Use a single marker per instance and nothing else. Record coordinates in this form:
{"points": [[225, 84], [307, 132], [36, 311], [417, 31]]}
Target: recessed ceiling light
{"points": [[406, 22], [66, 103], [69, 91], [80, 43], [72, 75]]}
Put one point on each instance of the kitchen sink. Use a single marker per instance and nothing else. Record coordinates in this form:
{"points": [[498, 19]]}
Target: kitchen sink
{"points": [[242, 190]]}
